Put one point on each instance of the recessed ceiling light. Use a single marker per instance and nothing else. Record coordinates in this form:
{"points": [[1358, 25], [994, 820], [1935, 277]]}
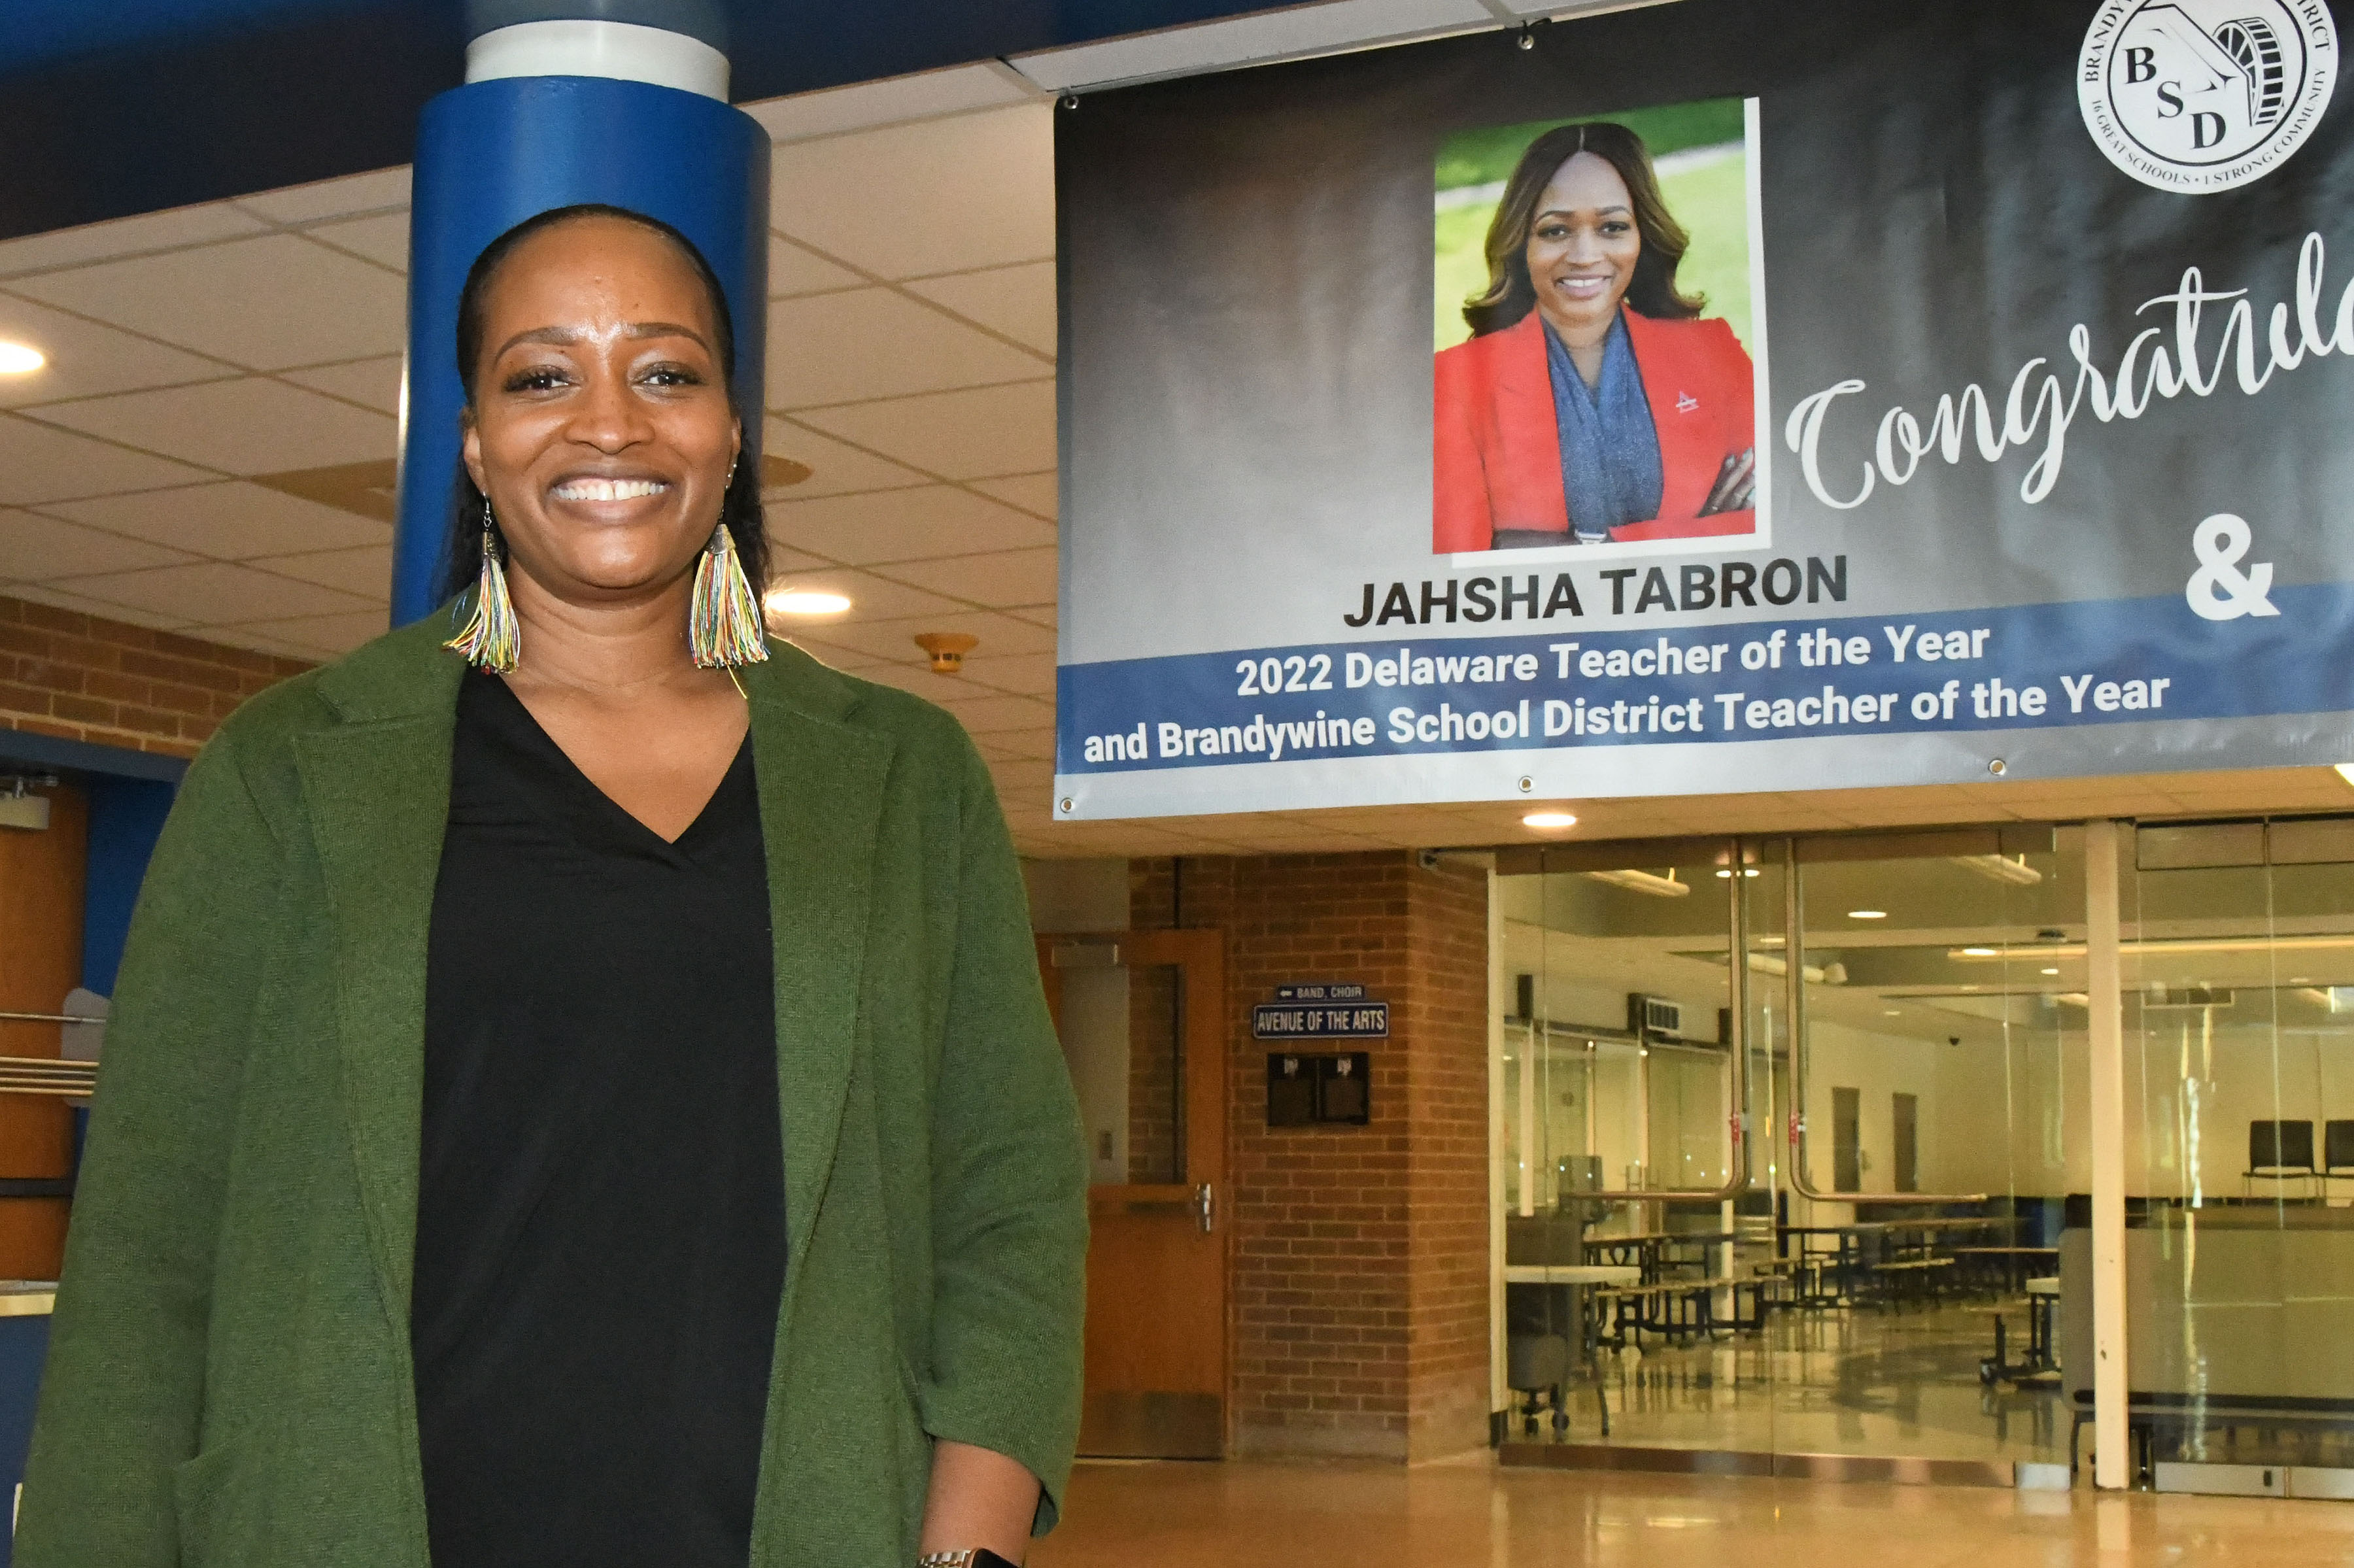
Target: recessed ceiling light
{"points": [[1548, 820], [2051, 971], [805, 601], [17, 358], [1746, 871], [1978, 952], [2346, 771], [1867, 913]]}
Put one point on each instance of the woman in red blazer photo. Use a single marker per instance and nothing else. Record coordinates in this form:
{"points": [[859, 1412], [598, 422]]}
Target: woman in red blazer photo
{"points": [[1593, 403]]}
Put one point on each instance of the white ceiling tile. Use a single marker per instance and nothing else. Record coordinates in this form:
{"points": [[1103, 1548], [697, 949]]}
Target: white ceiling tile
{"points": [[1003, 578], [835, 469], [958, 89], [877, 343], [33, 548], [49, 594], [903, 525], [216, 592], [973, 434], [328, 634], [367, 571], [801, 634], [983, 714], [373, 382], [383, 239], [1038, 492], [894, 638], [251, 426], [1016, 301], [126, 237], [86, 359], [1030, 745], [229, 521], [941, 196], [370, 192], [783, 561], [794, 270], [37, 464], [267, 302], [871, 599], [917, 678], [1030, 674]]}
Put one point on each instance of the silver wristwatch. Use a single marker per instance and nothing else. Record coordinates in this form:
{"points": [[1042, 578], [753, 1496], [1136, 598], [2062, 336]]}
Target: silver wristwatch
{"points": [[970, 1557]]}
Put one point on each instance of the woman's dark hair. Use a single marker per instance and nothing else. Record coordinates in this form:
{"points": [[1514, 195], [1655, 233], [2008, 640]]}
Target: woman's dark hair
{"points": [[740, 509], [1653, 290]]}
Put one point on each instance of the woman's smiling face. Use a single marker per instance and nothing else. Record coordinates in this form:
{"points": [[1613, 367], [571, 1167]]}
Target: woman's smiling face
{"points": [[600, 427], [1582, 247]]}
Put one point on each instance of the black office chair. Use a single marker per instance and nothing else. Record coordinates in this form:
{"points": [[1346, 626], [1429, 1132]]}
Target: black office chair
{"points": [[2279, 1151], [1538, 1366], [2337, 1149]]}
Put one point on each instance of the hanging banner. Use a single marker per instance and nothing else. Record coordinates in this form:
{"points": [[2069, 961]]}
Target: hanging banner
{"points": [[1711, 397]]}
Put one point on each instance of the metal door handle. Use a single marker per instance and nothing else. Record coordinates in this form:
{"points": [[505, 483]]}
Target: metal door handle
{"points": [[1205, 1207]]}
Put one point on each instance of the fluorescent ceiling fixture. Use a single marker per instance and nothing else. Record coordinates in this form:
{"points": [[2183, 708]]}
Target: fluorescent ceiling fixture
{"points": [[1548, 820], [1645, 881], [1867, 913], [1746, 871], [2000, 868], [1776, 965], [2162, 947], [2051, 971], [19, 358], [805, 601], [1893, 1013]]}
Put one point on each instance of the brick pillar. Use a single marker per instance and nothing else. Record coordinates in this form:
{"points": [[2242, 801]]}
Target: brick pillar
{"points": [[1360, 1254]]}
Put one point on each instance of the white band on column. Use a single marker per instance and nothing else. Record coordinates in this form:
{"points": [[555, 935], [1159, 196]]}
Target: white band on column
{"points": [[622, 50]]}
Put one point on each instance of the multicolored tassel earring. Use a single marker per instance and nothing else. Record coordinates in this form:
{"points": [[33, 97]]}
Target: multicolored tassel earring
{"points": [[490, 640], [724, 629]]}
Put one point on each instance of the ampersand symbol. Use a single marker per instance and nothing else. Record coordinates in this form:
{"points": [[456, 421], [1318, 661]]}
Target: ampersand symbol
{"points": [[2219, 591]]}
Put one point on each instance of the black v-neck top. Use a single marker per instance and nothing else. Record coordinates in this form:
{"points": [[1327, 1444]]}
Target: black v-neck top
{"points": [[601, 1238]]}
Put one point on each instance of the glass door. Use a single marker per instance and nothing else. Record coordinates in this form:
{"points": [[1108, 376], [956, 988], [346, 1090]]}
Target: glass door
{"points": [[2238, 968], [1783, 1152]]}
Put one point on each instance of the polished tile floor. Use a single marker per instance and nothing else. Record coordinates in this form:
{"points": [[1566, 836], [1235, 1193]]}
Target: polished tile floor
{"points": [[1865, 1381], [1475, 1515]]}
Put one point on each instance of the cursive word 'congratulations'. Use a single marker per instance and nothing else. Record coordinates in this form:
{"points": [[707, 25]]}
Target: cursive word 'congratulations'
{"points": [[2041, 405]]}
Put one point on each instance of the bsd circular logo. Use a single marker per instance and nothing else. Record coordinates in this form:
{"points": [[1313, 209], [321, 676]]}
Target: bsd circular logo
{"points": [[2202, 95]]}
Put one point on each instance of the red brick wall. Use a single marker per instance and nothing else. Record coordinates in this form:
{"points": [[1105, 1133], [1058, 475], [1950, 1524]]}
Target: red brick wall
{"points": [[79, 677], [1360, 1254]]}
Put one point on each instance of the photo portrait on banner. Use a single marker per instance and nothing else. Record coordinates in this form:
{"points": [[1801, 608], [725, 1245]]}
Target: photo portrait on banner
{"points": [[1596, 370]]}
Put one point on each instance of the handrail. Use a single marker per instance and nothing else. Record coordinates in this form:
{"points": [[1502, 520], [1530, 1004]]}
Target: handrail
{"points": [[1793, 980], [47, 1018], [1738, 1040]]}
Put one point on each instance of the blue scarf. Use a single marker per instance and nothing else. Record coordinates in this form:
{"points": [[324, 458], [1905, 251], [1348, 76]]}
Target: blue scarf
{"points": [[1611, 471]]}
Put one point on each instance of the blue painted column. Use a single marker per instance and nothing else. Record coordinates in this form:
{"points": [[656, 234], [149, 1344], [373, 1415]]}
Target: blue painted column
{"points": [[622, 102]]}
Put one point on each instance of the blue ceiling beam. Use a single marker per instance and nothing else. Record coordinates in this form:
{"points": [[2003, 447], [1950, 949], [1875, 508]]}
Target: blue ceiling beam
{"points": [[131, 106]]}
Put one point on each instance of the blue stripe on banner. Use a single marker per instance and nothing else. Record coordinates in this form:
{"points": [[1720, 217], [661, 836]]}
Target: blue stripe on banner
{"points": [[2023, 666]]}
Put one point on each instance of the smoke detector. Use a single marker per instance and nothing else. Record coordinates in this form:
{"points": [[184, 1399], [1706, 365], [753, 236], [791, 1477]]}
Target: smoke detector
{"points": [[948, 649]]}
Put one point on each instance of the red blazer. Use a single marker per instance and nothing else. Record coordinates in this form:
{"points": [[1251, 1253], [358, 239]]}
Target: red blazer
{"points": [[1497, 446]]}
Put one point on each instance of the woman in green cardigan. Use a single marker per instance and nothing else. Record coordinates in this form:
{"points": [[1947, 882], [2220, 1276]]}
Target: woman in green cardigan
{"points": [[579, 1092]]}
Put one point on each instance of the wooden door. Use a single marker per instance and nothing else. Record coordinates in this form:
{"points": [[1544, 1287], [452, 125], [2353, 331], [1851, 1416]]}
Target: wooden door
{"points": [[40, 959], [1142, 1015]]}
